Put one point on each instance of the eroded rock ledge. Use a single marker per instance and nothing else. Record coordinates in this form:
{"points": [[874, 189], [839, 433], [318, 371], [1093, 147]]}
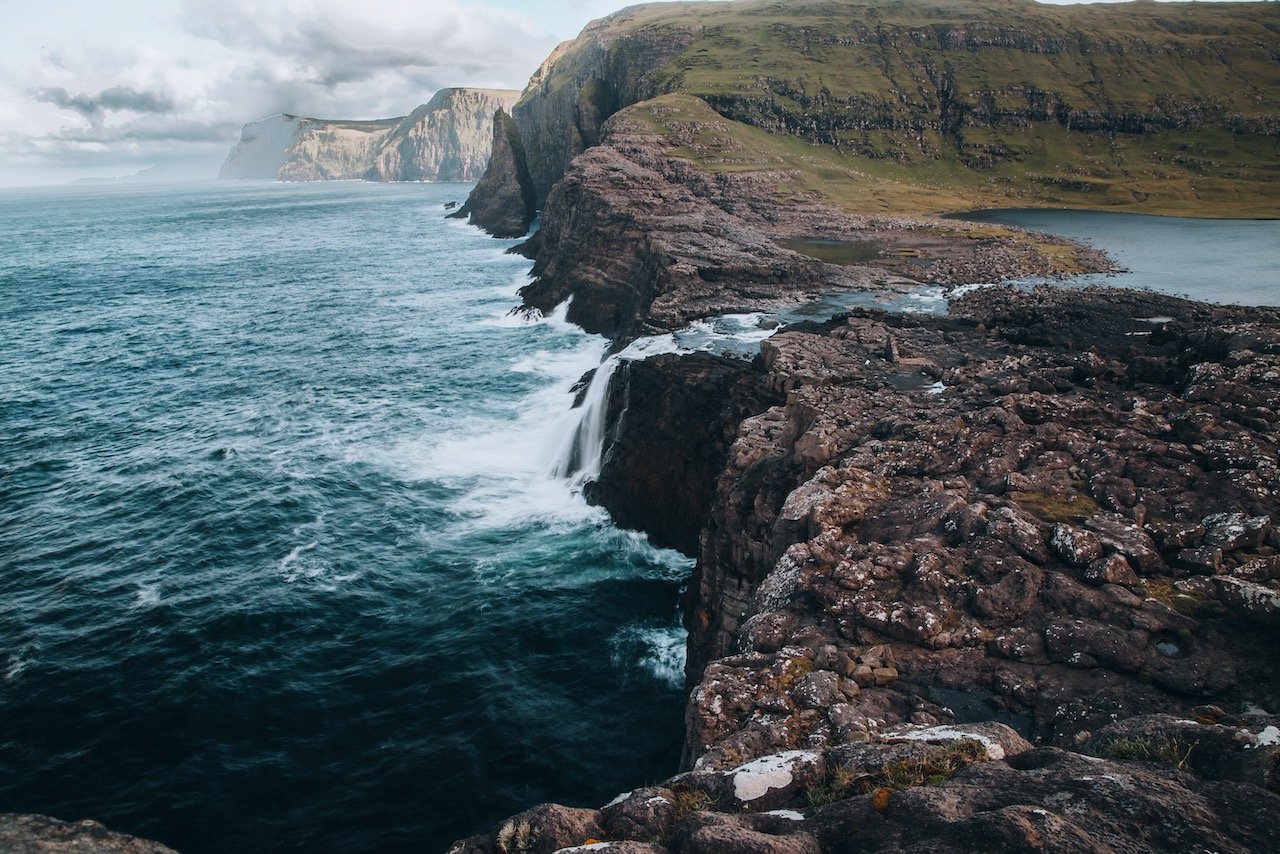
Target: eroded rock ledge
{"points": [[38, 834], [643, 241], [1048, 516]]}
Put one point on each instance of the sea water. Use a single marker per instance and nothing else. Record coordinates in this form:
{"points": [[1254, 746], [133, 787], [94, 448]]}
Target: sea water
{"points": [[292, 548], [285, 562]]}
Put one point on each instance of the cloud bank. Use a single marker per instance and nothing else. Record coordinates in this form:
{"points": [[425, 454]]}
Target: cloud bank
{"points": [[170, 83]]}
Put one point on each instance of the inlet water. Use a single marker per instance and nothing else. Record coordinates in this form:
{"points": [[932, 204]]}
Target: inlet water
{"points": [[1232, 261], [283, 564]]}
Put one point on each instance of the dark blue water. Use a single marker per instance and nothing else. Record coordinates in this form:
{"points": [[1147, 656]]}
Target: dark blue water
{"points": [[281, 563]]}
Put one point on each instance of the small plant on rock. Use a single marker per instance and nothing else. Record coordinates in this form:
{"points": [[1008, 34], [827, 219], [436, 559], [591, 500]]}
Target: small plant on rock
{"points": [[937, 765], [690, 800], [1171, 750]]}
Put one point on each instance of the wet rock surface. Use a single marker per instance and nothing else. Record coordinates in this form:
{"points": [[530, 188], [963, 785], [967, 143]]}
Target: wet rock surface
{"points": [[671, 422], [1047, 519], [38, 834]]}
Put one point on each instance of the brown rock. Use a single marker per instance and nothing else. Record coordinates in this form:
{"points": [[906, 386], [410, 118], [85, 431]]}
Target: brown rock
{"points": [[1121, 536], [1232, 531], [645, 814], [1206, 560], [546, 828], [38, 834], [1110, 570], [1075, 546]]}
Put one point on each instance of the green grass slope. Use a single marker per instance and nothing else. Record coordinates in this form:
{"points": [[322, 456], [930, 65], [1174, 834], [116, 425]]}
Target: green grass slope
{"points": [[1158, 107]]}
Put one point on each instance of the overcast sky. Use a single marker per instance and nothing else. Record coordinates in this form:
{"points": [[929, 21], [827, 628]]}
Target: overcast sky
{"points": [[109, 87]]}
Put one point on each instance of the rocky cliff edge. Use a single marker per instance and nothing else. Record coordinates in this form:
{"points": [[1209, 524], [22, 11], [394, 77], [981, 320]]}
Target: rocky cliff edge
{"points": [[446, 139]]}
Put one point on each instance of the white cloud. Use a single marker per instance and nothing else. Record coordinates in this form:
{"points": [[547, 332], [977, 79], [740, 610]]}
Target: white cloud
{"points": [[117, 94]]}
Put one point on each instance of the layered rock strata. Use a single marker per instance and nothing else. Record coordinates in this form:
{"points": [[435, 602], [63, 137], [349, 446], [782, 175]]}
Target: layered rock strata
{"points": [[989, 102], [446, 139], [642, 241]]}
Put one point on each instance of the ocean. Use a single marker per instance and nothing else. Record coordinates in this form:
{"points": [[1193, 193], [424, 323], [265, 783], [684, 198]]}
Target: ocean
{"points": [[285, 562], [292, 551]]}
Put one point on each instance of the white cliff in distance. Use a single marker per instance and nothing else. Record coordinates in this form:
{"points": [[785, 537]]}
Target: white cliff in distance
{"points": [[447, 139]]}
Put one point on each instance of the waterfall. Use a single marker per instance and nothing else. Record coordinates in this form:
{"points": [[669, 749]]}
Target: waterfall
{"points": [[580, 444], [579, 436], [581, 447]]}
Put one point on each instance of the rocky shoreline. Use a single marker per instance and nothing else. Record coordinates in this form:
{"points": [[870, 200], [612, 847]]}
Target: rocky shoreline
{"points": [[1048, 512], [1002, 580], [642, 242]]}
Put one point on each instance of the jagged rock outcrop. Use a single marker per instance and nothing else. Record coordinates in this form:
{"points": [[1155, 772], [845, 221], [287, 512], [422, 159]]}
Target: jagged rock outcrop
{"points": [[645, 242], [446, 139], [38, 834], [983, 102], [963, 788], [504, 201], [999, 504], [1024, 512]]}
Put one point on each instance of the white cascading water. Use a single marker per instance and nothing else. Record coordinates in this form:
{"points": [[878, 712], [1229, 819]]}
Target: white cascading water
{"points": [[579, 449]]}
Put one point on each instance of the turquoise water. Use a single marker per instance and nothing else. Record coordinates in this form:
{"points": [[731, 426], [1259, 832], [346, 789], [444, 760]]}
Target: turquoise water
{"points": [[282, 564]]}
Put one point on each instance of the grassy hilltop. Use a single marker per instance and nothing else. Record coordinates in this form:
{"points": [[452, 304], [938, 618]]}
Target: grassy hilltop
{"points": [[912, 105]]}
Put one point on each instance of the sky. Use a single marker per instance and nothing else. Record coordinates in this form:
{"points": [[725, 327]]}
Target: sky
{"points": [[101, 89]]}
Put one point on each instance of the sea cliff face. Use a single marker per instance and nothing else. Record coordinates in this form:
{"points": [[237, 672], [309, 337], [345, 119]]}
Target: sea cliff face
{"points": [[987, 103], [446, 139], [1047, 517], [922, 543], [643, 241]]}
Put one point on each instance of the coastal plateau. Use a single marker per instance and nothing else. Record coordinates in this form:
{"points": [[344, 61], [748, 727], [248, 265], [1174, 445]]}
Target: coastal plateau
{"points": [[1002, 580], [446, 139]]}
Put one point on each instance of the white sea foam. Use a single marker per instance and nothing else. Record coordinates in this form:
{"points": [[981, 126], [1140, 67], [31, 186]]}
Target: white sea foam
{"points": [[927, 300], [148, 596], [499, 466], [297, 565], [530, 465], [961, 290], [657, 651], [576, 453], [15, 666]]}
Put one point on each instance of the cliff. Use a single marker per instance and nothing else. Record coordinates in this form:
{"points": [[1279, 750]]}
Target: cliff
{"points": [[446, 139], [504, 199], [646, 241], [924, 543], [978, 103], [1048, 516]]}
